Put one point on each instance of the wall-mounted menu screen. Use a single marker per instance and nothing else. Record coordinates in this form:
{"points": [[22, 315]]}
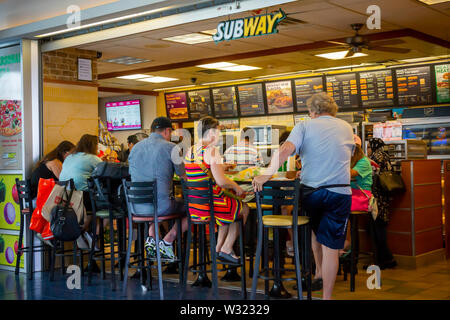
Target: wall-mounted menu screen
{"points": [[376, 88], [344, 89], [199, 104], [176, 105], [279, 97], [414, 86], [305, 88], [225, 102], [442, 72], [251, 99]]}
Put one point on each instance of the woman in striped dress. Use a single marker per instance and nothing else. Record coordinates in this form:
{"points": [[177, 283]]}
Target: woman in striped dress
{"points": [[203, 160]]}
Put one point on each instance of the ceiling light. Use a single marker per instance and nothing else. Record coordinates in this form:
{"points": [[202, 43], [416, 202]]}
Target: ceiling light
{"points": [[172, 88], [134, 76], [158, 79], [217, 65], [430, 2], [239, 68], [226, 81], [126, 60], [190, 38], [339, 55]]}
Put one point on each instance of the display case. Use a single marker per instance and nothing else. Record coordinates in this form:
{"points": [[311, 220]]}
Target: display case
{"points": [[406, 150]]}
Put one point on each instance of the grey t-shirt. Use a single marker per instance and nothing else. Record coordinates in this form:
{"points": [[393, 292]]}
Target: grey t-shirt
{"points": [[325, 146], [150, 160]]}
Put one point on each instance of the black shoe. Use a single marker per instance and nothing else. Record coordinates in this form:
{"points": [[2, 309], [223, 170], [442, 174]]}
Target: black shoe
{"points": [[95, 268], [228, 258]]}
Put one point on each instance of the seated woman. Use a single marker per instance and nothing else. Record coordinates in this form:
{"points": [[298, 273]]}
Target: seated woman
{"points": [[80, 164], [202, 162], [49, 167]]}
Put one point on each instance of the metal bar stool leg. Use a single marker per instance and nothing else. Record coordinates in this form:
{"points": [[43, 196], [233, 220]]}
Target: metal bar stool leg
{"points": [[186, 259], [308, 258], [141, 255], [353, 265], [242, 252], [92, 250], [102, 245], [179, 250], [158, 259], [19, 251], [127, 257], [212, 244], [53, 261], [259, 245], [297, 264], [266, 262], [31, 253], [111, 241]]}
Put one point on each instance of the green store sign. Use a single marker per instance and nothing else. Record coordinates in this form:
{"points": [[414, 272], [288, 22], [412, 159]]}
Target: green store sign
{"points": [[10, 59], [249, 27]]}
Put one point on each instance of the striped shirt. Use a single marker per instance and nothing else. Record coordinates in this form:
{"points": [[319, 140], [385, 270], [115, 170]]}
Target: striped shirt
{"points": [[243, 155]]}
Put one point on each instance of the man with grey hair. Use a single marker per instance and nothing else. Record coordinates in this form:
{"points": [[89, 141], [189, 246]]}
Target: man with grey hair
{"points": [[325, 145]]}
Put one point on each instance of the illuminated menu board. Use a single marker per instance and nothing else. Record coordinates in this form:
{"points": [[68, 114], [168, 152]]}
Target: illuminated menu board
{"points": [[305, 88], [414, 86], [199, 104], [176, 105], [376, 88], [344, 90], [225, 102], [279, 97], [251, 99], [442, 73]]}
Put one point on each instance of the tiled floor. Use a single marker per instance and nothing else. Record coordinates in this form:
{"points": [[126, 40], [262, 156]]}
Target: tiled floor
{"points": [[427, 283]]}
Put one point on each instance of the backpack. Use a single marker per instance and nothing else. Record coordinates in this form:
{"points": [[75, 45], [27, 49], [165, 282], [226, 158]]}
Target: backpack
{"points": [[64, 224], [113, 170]]}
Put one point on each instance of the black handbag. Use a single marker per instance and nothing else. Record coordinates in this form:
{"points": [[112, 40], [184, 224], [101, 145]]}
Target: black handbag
{"points": [[391, 182], [64, 224]]}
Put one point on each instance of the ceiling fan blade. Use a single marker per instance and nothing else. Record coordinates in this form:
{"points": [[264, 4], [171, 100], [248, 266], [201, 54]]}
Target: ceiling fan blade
{"points": [[349, 53], [389, 49], [337, 42], [389, 42]]}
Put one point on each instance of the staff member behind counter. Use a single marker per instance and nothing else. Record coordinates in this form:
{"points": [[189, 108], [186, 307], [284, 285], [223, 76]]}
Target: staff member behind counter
{"points": [[325, 145]]}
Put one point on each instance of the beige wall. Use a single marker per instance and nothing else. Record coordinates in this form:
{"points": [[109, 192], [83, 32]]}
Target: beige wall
{"points": [[148, 113], [69, 112]]}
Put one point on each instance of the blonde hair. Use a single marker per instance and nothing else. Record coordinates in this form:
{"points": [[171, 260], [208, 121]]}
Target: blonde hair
{"points": [[321, 103]]}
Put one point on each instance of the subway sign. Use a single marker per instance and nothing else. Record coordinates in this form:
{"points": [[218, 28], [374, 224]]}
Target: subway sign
{"points": [[249, 27]]}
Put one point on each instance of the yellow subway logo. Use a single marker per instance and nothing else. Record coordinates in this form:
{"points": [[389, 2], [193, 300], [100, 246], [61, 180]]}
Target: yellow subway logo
{"points": [[249, 27]]}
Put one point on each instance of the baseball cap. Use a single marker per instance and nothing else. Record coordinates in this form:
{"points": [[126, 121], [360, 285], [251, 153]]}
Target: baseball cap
{"points": [[161, 123]]}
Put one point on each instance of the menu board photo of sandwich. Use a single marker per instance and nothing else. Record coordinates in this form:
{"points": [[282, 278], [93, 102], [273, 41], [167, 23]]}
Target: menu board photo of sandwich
{"points": [[376, 88], [199, 104], [176, 106], [442, 72], [251, 99], [304, 89], [225, 104], [279, 97], [414, 86], [344, 89]]}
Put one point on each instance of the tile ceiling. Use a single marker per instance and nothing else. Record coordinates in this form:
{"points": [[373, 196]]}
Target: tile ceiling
{"points": [[324, 20]]}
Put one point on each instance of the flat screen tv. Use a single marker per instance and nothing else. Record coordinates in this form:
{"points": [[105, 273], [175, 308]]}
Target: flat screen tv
{"points": [[123, 115]]}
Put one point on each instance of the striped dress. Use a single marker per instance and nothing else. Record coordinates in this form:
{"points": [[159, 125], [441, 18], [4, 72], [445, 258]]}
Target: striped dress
{"points": [[226, 209]]}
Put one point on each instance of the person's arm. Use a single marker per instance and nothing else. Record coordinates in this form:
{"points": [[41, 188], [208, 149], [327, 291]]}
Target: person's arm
{"points": [[55, 166], [354, 173], [178, 165], [280, 156], [218, 173]]}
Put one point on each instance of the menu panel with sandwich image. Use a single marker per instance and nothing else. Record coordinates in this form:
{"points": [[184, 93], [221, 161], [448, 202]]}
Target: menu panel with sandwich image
{"points": [[442, 72], [225, 105], [279, 97], [414, 86], [176, 105], [199, 104]]}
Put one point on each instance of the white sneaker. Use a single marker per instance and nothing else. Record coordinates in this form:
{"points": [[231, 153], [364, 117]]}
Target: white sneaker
{"points": [[82, 243]]}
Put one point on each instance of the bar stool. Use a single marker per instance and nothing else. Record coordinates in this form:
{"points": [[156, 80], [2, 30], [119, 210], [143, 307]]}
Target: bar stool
{"points": [[59, 250], [288, 195], [145, 193], [26, 210], [200, 193], [104, 207]]}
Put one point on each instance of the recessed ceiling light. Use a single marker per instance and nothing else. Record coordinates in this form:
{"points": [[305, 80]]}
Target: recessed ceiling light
{"points": [[126, 60], [429, 2], [239, 68], [157, 79], [339, 55], [135, 76], [190, 38], [217, 65]]}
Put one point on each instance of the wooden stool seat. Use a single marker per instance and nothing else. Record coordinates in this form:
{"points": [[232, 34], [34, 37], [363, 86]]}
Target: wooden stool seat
{"points": [[252, 206], [359, 212]]}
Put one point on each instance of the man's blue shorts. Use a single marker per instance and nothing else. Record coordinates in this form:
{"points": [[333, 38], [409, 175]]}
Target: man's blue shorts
{"points": [[329, 212]]}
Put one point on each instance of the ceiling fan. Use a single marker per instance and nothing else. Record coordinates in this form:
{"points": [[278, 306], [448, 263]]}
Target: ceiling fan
{"points": [[359, 42]]}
